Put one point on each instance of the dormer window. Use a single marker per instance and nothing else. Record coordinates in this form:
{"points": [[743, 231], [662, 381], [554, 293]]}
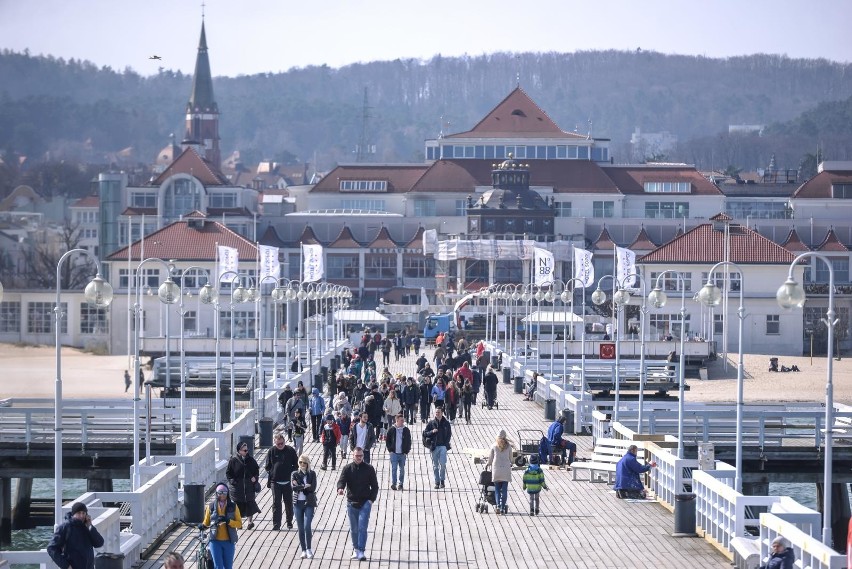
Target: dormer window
{"points": [[668, 187], [363, 186], [841, 191]]}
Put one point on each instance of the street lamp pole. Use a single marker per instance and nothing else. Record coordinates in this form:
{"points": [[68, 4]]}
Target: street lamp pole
{"points": [[658, 299], [238, 296], [710, 296], [97, 293], [619, 298], [792, 295]]}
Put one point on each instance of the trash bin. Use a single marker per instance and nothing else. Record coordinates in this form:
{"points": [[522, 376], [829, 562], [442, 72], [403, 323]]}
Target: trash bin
{"points": [[109, 561], [495, 361], [264, 427], [550, 409], [193, 504], [324, 373], [519, 384], [684, 516], [318, 381], [567, 415], [249, 440], [507, 375]]}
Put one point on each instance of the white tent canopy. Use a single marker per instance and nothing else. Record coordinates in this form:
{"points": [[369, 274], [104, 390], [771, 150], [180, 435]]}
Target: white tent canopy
{"points": [[557, 318], [360, 317]]}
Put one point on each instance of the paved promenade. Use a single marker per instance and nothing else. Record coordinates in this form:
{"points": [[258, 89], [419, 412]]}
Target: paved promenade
{"points": [[580, 524]]}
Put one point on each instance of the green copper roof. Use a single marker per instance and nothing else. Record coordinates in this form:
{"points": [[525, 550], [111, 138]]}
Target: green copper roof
{"points": [[201, 98]]}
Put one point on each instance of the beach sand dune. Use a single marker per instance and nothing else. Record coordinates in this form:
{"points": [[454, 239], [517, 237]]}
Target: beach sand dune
{"points": [[30, 371]]}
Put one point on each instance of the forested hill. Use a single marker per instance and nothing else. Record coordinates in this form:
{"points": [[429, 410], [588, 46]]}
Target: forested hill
{"points": [[316, 113]]}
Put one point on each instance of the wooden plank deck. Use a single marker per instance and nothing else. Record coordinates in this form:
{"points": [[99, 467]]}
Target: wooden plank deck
{"points": [[579, 524]]}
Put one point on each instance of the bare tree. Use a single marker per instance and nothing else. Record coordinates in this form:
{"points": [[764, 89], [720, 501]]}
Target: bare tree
{"points": [[42, 256]]}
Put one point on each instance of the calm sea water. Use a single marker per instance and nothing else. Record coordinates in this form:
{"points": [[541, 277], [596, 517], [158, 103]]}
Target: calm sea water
{"points": [[38, 538]]}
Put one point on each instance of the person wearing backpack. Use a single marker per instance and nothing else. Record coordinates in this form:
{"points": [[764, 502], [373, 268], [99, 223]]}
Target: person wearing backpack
{"points": [[223, 518], [73, 543]]}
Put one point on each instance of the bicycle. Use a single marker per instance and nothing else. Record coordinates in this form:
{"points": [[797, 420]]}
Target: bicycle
{"points": [[203, 557]]}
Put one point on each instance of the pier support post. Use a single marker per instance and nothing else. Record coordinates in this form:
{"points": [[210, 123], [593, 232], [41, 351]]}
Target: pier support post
{"points": [[756, 488], [5, 511], [22, 511]]}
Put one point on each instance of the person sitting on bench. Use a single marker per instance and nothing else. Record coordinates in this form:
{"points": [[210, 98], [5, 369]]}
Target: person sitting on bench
{"points": [[627, 471], [557, 443]]}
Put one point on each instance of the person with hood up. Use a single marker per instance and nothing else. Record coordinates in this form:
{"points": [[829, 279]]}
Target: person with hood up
{"points": [[73, 543], [243, 473], [316, 406], [533, 481]]}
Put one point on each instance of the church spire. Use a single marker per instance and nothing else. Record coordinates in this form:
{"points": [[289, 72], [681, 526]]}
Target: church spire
{"points": [[202, 112]]}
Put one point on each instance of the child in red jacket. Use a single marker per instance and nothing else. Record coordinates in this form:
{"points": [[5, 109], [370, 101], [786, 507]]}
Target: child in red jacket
{"points": [[330, 438]]}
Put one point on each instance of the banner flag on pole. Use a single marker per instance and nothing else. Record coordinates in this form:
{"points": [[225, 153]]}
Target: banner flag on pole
{"points": [[430, 241], [229, 260], [626, 266], [544, 266], [270, 266], [312, 267], [584, 271]]}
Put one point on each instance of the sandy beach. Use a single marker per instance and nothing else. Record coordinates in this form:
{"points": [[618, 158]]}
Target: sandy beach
{"points": [[30, 371]]}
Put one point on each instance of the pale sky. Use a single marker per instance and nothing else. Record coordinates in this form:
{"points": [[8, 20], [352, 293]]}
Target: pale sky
{"points": [[258, 36]]}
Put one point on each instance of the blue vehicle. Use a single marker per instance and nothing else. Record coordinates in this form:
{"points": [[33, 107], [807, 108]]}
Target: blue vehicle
{"points": [[437, 323]]}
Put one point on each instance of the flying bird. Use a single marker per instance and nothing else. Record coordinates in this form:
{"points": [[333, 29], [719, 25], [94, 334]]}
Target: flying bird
{"points": [[155, 57]]}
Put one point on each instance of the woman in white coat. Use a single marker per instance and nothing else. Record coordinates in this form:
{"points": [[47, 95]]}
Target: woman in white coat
{"points": [[500, 462]]}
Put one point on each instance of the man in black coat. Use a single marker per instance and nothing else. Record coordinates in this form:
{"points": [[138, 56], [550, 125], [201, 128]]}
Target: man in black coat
{"points": [[425, 398], [490, 382], [437, 435], [398, 443], [410, 397], [72, 545], [281, 461], [359, 481]]}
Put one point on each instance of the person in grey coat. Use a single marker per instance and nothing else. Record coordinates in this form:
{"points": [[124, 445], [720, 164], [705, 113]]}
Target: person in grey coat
{"points": [[500, 462]]}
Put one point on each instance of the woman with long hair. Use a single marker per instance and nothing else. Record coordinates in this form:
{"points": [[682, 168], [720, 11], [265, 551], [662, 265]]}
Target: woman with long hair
{"points": [[243, 474], [500, 462], [304, 483]]}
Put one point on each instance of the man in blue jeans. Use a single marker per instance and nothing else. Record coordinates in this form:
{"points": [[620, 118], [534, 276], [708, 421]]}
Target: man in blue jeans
{"points": [[437, 434], [398, 442], [362, 488]]}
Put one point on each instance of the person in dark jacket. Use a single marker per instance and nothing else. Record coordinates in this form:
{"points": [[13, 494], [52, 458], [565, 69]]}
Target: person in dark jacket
{"points": [[363, 436], [280, 463], [283, 398], [73, 543], [304, 483], [490, 382], [330, 438], [374, 405], [627, 471], [559, 444], [398, 443], [782, 556], [437, 434], [242, 473], [410, 397], [425, 389], [359, 481]]}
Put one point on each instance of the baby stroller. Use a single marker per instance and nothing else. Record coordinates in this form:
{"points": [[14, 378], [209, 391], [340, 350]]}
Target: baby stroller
{"points": [[486, 492]]}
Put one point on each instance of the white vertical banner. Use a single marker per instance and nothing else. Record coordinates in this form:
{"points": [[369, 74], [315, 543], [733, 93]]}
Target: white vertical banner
{"points": [[430, 241], [625, 266], [543, 266], [269, 264], [312, 265], [584, 271], [229, 260]]}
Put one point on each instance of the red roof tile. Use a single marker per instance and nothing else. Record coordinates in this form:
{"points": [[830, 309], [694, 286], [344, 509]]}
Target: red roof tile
{"points": [[794, 243], [517, 116], [88, 201], [631, 180], [721, 216], [642, 242], [704, 244], [831, 243], [399, 177], [604, 241], [819, 187], [345, 240], [308, 237], [416, 242], [189, 241], [190, 163], [383, 239]]}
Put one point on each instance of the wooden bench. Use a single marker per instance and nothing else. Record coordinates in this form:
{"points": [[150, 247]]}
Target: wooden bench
{"points": [[605, 457]]}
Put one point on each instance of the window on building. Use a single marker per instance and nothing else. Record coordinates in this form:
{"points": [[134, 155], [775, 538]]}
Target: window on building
{"points": [[244, 324], [667, 187], [670, 282], [342, 267], [603, 209], [226, 199], [182, 196], [773, 324], [461, 208], [194, 279], [93, 320], [664, 324], [562, 209], [143, 199], [666, 210], [718, 324], [40, 318], [734, 278], [369, 205], [841, 271], [418, 267], [10, 317], [363, 185], [841, 191], [190, 321], [424, 208], [583, 152], [380, 267]]}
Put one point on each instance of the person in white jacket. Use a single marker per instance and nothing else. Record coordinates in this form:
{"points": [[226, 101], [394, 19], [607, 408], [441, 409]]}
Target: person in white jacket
{"points": [[500, 462]]}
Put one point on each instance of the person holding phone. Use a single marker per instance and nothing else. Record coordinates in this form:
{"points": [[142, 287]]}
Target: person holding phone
{"points": [[304, 484], [73, 543]]}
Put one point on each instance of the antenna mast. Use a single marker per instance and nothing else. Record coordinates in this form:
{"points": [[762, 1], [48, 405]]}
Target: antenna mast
{"points": [[362, 150]]}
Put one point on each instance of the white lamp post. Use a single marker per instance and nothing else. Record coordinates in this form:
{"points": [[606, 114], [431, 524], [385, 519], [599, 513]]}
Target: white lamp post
{"points": [[97, 293], [239, 295], [709, 296], [791, 295], [643, 311], [658, 299]]}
